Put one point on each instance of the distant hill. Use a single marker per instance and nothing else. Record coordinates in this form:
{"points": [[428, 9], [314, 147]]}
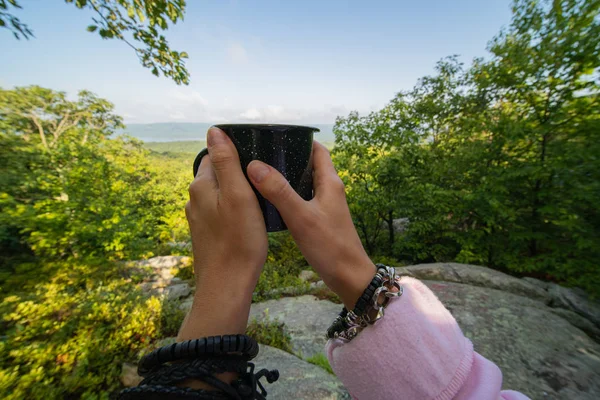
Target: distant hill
{"points": [[183, 131], [184, 147], [189, 146]]}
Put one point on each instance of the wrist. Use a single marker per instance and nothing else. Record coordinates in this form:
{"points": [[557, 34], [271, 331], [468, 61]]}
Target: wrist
{"points": [[221, 306], [352, 282]]}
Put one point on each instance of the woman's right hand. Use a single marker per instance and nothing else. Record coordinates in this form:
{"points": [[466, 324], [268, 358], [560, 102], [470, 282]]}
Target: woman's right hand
{"points": [[322, 227]]}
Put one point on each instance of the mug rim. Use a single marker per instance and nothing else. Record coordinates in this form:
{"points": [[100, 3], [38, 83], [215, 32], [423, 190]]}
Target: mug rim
{"points": [[261, 126]]}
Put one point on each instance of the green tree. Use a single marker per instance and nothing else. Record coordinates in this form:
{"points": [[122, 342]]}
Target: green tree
{"points": [[67, 189], [496, 164], [38, 113], [543, 82], [130, 21], [389, 153]]}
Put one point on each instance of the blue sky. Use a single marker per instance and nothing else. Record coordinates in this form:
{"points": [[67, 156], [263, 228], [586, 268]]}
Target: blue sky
{"points": [[275, 61]]}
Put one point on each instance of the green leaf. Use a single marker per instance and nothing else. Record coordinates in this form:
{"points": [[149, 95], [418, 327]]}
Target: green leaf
{"points": [[92, 28]]}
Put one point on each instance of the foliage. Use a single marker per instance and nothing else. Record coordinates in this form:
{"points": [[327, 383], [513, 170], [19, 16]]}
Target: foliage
{"points": [[284, 264], [67, 190], [495, 164], [185, 273], [271, 333], [171, 176], [284, 252], [71, 199], [320, 360], [12, 23], [139, 20], [273, 279], [68, 335]]}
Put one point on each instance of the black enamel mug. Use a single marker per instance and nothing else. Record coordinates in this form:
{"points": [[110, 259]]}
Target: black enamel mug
{"points": [[287, 148]]}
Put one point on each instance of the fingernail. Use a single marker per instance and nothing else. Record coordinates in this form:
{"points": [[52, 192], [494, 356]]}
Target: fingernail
{"points": [[258, 170], [215, 136]]}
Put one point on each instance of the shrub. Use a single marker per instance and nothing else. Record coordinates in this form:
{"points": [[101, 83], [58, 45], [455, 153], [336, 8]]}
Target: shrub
{"points": [[273, 278], [68, 336]]}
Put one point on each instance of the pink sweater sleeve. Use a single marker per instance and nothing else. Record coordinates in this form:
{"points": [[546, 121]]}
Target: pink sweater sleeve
{"points": [[417, 351]]}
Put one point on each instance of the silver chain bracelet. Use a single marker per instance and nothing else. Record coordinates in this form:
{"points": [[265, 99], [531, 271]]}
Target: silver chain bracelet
{"points": [[357, 323]]}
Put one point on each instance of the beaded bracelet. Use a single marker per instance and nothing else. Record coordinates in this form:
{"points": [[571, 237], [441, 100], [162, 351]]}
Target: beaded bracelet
{"points": [[349, 323]]}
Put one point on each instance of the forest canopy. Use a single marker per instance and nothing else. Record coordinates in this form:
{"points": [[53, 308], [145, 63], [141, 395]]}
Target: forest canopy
{"points": [[494, 164]]}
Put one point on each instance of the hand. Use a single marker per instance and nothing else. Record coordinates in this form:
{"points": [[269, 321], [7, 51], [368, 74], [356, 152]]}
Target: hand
{"points": [[322, 227], [229, 242]]}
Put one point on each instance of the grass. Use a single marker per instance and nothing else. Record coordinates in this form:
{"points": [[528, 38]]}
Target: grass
{"points": [[320, 360], [271, 333]]}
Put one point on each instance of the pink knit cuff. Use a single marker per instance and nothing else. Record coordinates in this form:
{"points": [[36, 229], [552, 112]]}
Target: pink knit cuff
{"points": [[461, 375], [417, 351]]}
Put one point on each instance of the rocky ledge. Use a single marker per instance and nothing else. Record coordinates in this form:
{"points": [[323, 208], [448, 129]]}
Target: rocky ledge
{"points": [[544, 337]]}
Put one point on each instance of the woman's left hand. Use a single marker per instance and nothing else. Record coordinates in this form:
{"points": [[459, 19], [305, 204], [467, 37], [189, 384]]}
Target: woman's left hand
{"points": [[229, 242]]}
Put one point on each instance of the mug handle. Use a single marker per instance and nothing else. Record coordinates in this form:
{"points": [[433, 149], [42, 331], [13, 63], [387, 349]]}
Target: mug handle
{"points": [[198, 159]]}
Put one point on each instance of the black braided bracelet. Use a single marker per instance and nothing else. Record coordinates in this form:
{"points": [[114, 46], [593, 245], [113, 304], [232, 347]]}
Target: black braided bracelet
{"points": [[159, 384], [340, 324], [157, 392], [170, 374], [213, 346]]}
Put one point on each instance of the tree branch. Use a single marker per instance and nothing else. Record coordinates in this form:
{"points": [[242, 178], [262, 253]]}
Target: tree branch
{"points": [[40, 128]]}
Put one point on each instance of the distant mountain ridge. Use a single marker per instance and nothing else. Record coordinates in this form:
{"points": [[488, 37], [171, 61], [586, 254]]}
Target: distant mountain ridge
{"points": [[183, 131]]}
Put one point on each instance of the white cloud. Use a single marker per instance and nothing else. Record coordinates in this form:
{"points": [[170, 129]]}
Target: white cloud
{"points": [[272, 113], [190, 97], [251, 114], [177, 115], [189, 106], [237, 53]]}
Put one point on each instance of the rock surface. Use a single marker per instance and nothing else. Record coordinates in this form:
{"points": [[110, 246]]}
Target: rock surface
{"points": [[129, 376], [542, 351], [540, 334], [476, 276], [308, 276], [160, 276], [575, 300], [162, 265], [579, 322], [539, 352], [555, 296], [306, 319], [298, 379], [177, 291]]}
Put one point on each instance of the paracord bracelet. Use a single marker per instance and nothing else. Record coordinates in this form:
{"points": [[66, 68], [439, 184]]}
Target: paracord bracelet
{"points": [[213, 346], [162, 370], [247, 387]]}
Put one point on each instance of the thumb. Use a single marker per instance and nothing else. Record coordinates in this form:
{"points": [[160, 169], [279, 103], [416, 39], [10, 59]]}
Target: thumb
{"points": [[275, 188]]}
